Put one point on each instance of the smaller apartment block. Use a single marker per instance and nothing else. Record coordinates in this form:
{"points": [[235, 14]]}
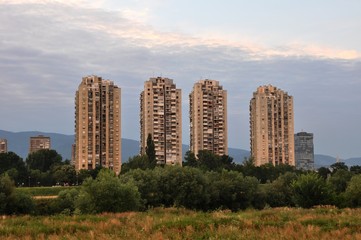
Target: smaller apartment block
{"points": [[38, 143], [3, 145]]}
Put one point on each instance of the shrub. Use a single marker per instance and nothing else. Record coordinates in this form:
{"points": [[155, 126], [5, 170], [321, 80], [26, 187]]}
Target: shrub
{"points": [[310, 190], [353, 192], [107, 194]]}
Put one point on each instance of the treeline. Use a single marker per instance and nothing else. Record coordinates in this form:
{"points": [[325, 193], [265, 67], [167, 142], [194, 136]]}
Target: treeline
{"points": [[205, 183], [42, 168]]}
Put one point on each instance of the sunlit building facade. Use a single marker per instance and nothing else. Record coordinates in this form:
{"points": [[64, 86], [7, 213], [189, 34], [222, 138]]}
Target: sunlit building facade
{"points": [[161, 116], [272, 127], [97, 125], [208, 117]]}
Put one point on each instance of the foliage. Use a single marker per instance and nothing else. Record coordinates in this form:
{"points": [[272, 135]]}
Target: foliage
{"points": [[183, 186], [12, 202], [150, 150], [353, 192], [42, 191], [279, 192], [324, 172], [65, 202], [190, 159], [338, 166], [310, 190], [107, 193], [13, 165], [230, 190], [138, 162], [43, 159], [64, 174], [208, 161], [355, 169], [340, 179]]}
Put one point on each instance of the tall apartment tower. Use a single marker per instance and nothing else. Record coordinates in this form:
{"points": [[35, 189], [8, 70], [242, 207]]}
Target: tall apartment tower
{"points": [[3, 145], [161, 116], [304, 151], [97, 124], [272, 126], [208, 117], [38, 143]]}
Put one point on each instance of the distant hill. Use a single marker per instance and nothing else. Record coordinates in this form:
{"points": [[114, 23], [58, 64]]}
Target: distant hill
{"points": [[18, 142]]}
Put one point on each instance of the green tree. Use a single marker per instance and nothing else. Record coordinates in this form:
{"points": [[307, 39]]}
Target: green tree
{"points": [[190, 159], [279, 192], [14, 166], [310, 190], [43, 159], [148, 184], [338, 166], [140, 161], [65, 202], [353, 192], [324, 172], [340, 179], [183, 186], [150, 149], [231, 190], [64, 174], [12, 202], [355, 169], [107, 193]]}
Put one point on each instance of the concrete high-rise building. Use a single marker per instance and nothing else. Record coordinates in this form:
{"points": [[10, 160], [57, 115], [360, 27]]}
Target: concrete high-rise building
{"points": [[97, 124], [161, 116], [3, 145], [73, 149], [304, 151], [272, 126], [208, 117], [38, 143]]}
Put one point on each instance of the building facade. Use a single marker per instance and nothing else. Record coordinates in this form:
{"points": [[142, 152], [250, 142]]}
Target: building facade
{"points": [[161, 116], [38, 143], [272, 127], [208, 117], [304, 151], [98, 124], [3, 145]]}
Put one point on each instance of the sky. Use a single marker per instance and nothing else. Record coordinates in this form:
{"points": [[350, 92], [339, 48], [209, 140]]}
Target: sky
{"points": [[310, 49]]}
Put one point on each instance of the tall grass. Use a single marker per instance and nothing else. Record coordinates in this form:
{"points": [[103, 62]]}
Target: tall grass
{"points": [[172, 223]]}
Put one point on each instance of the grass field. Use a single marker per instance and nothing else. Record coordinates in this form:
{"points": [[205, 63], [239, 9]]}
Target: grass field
{"points": [[282, 223]]}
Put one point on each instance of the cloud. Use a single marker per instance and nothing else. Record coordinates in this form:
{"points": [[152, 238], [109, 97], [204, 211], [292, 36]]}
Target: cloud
{"points": [[46, 47]]}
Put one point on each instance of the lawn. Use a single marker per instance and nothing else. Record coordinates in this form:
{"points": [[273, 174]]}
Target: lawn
{"points": [[172, 223]]}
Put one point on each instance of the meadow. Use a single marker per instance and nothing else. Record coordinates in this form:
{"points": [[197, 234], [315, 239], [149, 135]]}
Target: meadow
{"points": [[178, 223]]}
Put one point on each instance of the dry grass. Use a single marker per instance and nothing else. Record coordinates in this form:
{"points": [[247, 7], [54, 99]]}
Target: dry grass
{"points": [[279, 223]]}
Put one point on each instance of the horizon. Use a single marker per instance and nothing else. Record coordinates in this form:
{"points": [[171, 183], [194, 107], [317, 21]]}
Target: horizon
{"points": [[47, 46]]}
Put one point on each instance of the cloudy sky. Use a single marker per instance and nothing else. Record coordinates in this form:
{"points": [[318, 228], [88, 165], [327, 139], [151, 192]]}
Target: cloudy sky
{"points": [[311, 49]]}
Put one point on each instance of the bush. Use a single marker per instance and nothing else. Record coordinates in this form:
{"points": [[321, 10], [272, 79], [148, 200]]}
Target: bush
{"points": [[353, 192], [12, 202], [310, 190], [65, 203], [107, 194]]}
